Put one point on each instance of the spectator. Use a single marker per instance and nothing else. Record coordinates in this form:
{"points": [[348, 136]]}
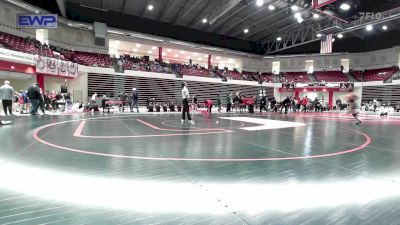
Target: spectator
{"points": [[219, 103], [34, 97], [93, 98], [7, 97], [135, 98]]}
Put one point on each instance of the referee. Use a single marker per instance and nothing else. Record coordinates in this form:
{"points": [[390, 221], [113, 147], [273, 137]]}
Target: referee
{"points": [[185, 101]]}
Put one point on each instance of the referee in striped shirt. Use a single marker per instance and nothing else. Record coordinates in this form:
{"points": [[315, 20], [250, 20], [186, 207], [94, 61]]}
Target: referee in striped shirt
{"points": [[185, 101]]}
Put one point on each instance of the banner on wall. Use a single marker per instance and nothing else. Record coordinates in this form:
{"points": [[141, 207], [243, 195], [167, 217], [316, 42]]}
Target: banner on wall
{"points": [[56, 67]]}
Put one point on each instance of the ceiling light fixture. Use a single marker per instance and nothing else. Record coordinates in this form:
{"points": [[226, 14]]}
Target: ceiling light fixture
{"points": [[271, 7], [260, 2], [295, 7], [300, 20], [150, 7], [246, 31], [319, 35], [340, 35], [279, 39], [384, 27], [369, 27], [316, 16], [345, 6], [204, 20]]}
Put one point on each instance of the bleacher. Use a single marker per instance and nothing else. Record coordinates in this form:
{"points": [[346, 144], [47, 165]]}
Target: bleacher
{"points": [[296, 77], [194, 71], [266, 77], [88, 59], [234, 75], [249, 75], [374, 74], [25, 45], [331, 76]]}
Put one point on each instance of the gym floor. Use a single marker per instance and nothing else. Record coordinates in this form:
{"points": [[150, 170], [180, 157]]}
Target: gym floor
{"points": [[304, 168]]}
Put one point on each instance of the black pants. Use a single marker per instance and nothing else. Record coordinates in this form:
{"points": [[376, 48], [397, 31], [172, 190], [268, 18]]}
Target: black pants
{"points": [[263, 106], [134, 104], [7, 104], [185, 109], [41, 105], [228, 107], [54, 104], [209, 108]]}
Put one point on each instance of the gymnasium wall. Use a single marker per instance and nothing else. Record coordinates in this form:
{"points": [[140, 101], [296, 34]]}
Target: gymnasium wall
{"points": [[77, 39], [8, 21], [368, 60], [165, 89], [376, 59]]}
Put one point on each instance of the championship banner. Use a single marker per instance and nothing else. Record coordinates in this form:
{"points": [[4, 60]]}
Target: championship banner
{"points": [[51, 66], [72, 69], [56, 67], [41, 65], [62, 68]]}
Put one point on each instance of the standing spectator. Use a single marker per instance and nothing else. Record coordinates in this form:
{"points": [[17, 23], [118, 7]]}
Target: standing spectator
{"points": [[273, 105], [304, 102], [15, 101], [209, 103], [135, 98], [34, 97], [250, 103], [219, 103], [375, 103], [7, 97], [338, 104], [263, 104], [228, 102], [285, 104], [93, 98], [68, 101], [194, 102]]}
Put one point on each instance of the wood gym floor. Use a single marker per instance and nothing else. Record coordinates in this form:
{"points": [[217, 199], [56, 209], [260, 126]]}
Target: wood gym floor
{"points": [[306, 168]]}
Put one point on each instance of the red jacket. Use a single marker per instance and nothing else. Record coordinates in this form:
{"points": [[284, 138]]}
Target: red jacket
{"points": [[304, 101], [251, 101]]}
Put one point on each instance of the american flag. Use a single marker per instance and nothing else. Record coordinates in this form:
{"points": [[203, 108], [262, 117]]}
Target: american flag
{"points": [[326, 44]]}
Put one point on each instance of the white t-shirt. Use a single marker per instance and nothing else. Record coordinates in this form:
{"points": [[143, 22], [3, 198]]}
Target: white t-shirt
{"points": [[185, 93]]}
